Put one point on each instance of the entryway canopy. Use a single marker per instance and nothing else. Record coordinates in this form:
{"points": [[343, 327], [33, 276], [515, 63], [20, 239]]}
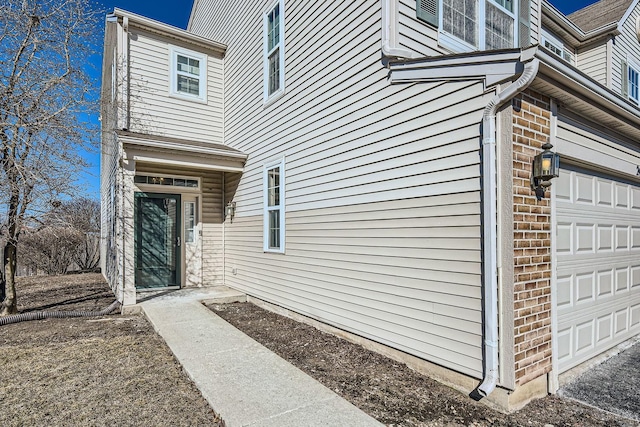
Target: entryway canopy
{"points": [[182, 153]]}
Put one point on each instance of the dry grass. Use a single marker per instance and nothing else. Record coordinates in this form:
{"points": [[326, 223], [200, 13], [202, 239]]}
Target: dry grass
{"points": [[107, 371]]}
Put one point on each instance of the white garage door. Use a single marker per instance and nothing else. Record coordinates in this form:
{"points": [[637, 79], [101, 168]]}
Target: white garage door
{"points": [[598, 264]]}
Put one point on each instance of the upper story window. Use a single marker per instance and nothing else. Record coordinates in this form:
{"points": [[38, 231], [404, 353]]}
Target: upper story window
{"points": [[274, 207], [556, 46], [633, 73], [188, 78], [274, 50], [467, 25]]}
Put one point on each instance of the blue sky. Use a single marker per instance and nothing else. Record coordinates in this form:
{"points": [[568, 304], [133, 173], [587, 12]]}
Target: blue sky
{"points": [[176, 13]]}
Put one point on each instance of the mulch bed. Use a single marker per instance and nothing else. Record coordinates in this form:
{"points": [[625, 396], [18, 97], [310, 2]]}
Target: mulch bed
{"points": [[107, 371], [389, 391]]}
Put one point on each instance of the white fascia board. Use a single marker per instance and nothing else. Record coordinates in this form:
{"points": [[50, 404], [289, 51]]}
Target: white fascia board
{"points": [[192, 14], [578, 82], [492, 67], [185, 164], [176, 33], [628, 13], [550, 11], [187, 148]]}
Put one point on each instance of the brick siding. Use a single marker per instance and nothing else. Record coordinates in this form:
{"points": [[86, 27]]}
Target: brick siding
{"points": [[532, 241]]}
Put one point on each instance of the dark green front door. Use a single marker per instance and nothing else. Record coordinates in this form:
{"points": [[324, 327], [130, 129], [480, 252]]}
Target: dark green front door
{"points": [[157, 240]]}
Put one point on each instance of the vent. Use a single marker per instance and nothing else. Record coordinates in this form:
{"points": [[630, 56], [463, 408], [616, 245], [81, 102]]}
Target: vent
{"points": [[427, 11]]}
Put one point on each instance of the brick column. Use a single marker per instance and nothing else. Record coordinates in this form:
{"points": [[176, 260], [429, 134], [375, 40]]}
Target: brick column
{"points": [[532, 241]]}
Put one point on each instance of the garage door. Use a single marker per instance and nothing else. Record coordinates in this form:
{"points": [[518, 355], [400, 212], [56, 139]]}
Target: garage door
{"points": [[597, 262]]}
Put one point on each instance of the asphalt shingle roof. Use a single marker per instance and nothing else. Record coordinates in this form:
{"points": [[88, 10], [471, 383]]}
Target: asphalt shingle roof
{"points": [[599, 14]]}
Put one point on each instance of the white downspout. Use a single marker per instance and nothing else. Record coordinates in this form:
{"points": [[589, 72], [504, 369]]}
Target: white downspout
{"points": [[489, 210], [389, 32]]}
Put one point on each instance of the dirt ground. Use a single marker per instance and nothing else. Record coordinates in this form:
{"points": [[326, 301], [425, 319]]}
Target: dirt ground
{"points": [[389, 391], [108, 371]]}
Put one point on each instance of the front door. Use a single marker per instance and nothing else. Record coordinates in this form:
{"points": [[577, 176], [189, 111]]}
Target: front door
{"points": [[157, 240]]}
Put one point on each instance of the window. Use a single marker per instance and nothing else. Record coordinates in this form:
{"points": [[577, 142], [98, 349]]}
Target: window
{"points": [[188, 74], [633, 72], [190, 222], [166, 180], [274, 207], [274, 51], [467, 25], [556, 46]]}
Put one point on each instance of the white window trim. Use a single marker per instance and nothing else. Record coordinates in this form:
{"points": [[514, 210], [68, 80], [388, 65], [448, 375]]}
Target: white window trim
{"points": [[155, 188], [195, 222], [267, 167], [546, 36], [174, 51], [268, 99], [632, 63], [455, 44]]}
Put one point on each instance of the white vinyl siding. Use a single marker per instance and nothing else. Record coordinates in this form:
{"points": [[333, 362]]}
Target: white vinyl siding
{"points": [[626, 46], [212, 229], [592, 61], [382, 183], [110, 200], [154, 111]]}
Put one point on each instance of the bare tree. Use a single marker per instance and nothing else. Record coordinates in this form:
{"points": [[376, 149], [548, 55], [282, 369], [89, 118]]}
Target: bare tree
{"points": [[46, 97], [83, 216], [50, 249]]}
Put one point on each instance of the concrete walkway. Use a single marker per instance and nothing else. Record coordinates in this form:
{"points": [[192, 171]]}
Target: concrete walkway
{"points": [[243, 381]]}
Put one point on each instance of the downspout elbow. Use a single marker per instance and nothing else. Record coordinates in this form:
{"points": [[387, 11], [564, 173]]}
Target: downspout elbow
{"points": [[490, 198], [389, 45]]}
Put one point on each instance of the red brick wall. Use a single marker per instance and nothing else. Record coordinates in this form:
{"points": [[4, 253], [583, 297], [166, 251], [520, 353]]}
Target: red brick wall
{"points": [[532, 241]]}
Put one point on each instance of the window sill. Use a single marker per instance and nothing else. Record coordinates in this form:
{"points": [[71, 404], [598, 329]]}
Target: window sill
{"points": [[454, 44], [273, 98], [274, 251], [182, 97]]}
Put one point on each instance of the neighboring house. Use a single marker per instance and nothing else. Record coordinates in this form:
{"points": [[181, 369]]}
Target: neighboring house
{"points": [[368, 165]]}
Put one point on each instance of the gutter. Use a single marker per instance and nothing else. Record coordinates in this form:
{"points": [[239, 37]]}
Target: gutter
{"points": [[170, 31], [489, 210]]}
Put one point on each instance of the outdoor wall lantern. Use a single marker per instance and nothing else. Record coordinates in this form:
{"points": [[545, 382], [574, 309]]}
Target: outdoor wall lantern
{"points": [[231, 210], [546, 166]]}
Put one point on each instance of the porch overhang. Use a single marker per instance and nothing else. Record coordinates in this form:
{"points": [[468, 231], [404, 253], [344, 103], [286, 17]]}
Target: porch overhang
{"points": [[181, 153]]}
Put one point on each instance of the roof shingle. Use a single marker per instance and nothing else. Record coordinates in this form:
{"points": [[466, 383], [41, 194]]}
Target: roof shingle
{"points": [[599, 14]]}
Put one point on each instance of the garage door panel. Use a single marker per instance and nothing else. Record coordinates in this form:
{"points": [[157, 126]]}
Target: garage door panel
{"points": [[635, 316], [635, 198], [605, 328], [635, 237], [597, 259], [605, 284]]}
